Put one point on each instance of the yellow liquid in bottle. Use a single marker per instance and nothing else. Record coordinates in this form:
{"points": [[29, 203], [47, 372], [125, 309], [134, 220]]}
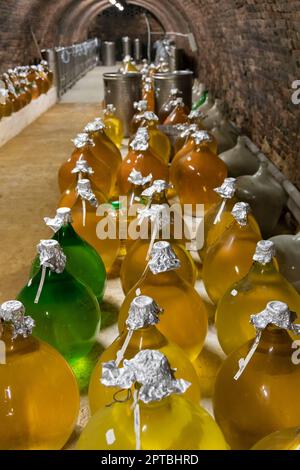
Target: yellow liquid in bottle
{"points": [[216, 221], [144, 161], [39, 396], [135, 263], [172, 423], [196, 174], [184, 321], [160, 143], [286, 439], [113, 128], [229, 259], [143, 338], [264, 398], [262, 284], [108, 248]]}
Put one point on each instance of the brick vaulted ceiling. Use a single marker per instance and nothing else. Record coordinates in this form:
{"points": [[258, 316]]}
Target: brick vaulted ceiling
{"points": [[248, 54]]}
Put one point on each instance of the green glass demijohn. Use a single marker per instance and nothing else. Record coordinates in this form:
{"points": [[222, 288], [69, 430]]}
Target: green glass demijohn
{"points": [[65, 311], [83, 261]]}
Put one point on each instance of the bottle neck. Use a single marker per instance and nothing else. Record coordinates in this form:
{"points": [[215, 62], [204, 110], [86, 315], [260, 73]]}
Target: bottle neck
{"points": [[18, 344], [275, 340], [263, 269], [64, 233]]}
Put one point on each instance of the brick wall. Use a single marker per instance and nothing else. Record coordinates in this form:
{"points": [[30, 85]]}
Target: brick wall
{"points": [[249, 54]]}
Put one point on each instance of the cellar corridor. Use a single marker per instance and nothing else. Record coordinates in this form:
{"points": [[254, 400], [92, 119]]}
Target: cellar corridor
{"points": [[200, 111]]}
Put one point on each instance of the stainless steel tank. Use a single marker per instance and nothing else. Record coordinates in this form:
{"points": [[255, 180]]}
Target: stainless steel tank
{"points": [[126, 46], [109, 53], [165, 81], [122, 90], [137, 47]]}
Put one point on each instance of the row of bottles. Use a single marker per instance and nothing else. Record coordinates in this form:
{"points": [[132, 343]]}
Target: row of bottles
{"points": [[21, 85], [135, 387]]}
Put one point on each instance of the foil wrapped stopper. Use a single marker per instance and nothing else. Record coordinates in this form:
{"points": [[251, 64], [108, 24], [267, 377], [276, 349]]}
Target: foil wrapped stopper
{"points": [[264, 252], [228, 188], [141, 105], [110, 108], [157, 213], [143, 312], [175, 92], [94, 126], [278, 314], [201, 136], [141, 139], [13, 312], [148, 368], [149, 116], [51, 255], [83, 140], [178, 102], [188, 130], [82, 166], [163, 258], [84, 190], [63, 217], [240, 212], [196, 114], [3, 92], [158, 186], [137, 179]]}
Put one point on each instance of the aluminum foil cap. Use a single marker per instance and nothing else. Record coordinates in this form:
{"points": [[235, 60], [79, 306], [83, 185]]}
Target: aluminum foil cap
{"points": [[201, 136], [151, 370], [278, 314], [158, 213], [63, 217], [13, 312], [178, 102], [240, 212], [175, 92], [158, 186], [143, 312], [94, 126], [84, 190], [141, 105], [51, 255], [228, 188], [3, 92], [83, 140], [196, 114], [82, 166], [265, 251], [137, 179], [149, 116], [188, 130], [110, 108], [141, 139], [163, 258]]}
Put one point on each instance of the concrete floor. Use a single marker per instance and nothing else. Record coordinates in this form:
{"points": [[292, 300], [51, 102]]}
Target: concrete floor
{"points": [[29, 192]]}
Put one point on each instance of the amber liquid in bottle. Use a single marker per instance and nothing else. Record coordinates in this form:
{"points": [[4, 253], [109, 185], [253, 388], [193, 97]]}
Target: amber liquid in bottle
{"points": [[229, 259], [39, 401], [216, 221], [264, 398], [144, 161], [196, 174], [184, 321], [261, 285]]}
